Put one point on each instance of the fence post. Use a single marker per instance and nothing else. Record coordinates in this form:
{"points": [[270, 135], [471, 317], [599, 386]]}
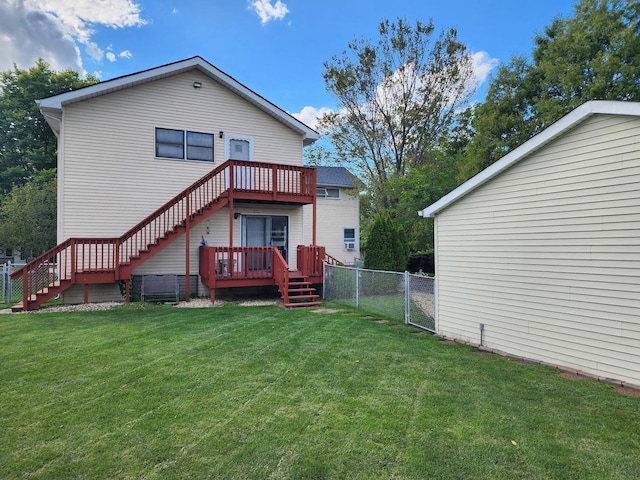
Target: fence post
{"points": [[4, 288], [324, 281], [357, 270], [407, 299]]}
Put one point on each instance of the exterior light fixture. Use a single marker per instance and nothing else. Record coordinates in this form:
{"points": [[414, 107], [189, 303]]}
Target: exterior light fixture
{"points": [[236, 215], [220, 134], [197, 84]]}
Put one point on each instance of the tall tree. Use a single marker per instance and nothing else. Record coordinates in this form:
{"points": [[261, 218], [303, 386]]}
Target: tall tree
{"points": [[28, 215], [397, 98], [27, 144], [592, 55]]}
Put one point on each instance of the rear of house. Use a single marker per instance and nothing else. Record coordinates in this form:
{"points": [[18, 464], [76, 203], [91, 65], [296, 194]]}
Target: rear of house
{"points": [[155, 165], [539, 255]]}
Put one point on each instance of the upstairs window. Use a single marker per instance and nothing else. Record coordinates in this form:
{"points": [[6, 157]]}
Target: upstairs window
{"points": [[327, 192], [171, 144], [200, 146]]}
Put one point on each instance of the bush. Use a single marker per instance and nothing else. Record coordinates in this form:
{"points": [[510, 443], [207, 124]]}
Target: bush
{"points": [[387, 247]]}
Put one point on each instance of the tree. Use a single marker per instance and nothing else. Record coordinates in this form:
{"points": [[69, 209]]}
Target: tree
{"points": [[397, 99], [27, 144], [28, 215], [386, 247], [593, 55]]}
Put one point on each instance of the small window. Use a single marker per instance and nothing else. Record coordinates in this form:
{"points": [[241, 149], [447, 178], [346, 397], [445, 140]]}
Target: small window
{"points": [[326, 192], [8, 252], [349, 236], [169, 143], [200, 146]]}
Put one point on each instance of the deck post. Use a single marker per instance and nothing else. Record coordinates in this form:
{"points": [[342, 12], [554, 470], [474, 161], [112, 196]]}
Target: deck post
{"points": [[314, 177], [25, 289], [187, 239], [127, 290], [231, 183], [86, 293]]}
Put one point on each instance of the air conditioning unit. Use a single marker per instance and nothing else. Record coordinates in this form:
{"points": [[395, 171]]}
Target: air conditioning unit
{"points": [[349, 245]]}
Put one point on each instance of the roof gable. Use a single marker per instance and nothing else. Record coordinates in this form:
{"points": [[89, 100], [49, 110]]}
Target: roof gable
{"points": [[566, 123], [51, 107]]}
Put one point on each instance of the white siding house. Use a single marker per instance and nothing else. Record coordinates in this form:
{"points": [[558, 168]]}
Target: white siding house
{"points": [[338, 214], [543, 247], [128, 145]]}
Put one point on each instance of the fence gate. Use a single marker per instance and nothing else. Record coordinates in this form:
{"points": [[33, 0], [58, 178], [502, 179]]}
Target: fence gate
{"points": [[421, 307], [401, 296], [11, 289]]}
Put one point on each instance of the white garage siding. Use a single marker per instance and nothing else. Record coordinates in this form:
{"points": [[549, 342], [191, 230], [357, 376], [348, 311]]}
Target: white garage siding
{"points": [[547, 254]]}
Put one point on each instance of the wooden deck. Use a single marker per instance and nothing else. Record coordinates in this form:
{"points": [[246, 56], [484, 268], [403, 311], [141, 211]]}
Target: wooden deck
{"points": [[107, 260]]}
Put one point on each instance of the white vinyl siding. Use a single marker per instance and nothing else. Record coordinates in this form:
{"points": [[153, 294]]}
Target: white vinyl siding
{"points": [[110, 185], [333, 216], [547, 254]]}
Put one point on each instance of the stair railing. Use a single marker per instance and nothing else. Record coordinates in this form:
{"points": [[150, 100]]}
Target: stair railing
{"points": [[111, 253], [281, 274]]}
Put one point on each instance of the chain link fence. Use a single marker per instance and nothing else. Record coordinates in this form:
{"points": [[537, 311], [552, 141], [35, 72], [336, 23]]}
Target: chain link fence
{"points": [[11, 289], [400, 296]]}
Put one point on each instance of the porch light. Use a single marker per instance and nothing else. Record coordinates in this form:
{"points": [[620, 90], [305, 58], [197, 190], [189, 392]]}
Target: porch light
{"points": [[236, 215], [220, 134]]}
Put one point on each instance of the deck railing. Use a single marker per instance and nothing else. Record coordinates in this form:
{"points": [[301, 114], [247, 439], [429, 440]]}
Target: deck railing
{"points": [[281, 275], [310, 258], [65, 261], [233, 178]]}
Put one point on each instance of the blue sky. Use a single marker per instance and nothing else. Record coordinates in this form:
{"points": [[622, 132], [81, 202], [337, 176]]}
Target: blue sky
{"points": [[275, 47]]}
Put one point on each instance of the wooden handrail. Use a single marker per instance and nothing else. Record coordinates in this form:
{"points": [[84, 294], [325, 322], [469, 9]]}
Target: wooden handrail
{"points": [[281, 274], [109, 254]]}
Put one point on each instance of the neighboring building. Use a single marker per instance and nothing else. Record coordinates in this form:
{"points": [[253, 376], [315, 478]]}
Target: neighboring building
{"points": [[8, 254], [154, 164], [542, 249], [338, 214]]}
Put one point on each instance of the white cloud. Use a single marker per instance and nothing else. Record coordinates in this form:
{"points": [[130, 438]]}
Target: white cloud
{"points": [[267, 12], [482, 66], [125, 54], [56, 29], [309, 115], [111, 56]]}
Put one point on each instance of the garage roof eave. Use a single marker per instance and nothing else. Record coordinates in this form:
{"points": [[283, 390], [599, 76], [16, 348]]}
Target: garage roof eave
{"points": [[566, 123]]}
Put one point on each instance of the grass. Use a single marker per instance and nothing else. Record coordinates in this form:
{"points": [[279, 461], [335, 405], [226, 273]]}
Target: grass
{"points": [[264, 392]]}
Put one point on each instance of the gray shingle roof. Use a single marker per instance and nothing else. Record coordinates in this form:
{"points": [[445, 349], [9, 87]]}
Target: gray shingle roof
{"points": [[335, 177]]}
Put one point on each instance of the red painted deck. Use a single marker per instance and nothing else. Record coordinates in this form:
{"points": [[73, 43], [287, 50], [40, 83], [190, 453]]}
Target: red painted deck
{"points": [[107, 260]]}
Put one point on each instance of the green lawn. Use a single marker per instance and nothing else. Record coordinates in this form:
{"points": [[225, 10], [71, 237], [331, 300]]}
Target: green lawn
{"points": [[263, 392]]}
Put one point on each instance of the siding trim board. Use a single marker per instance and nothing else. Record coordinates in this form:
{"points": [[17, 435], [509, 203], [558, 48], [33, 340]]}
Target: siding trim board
{"points": [[543, 247]]}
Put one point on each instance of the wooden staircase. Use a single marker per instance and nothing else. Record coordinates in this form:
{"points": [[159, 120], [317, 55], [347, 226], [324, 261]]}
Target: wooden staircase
{"points": [[300, 292], [108, 260]]}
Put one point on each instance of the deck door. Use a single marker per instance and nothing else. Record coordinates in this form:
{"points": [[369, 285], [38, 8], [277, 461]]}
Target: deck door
{"points": [[265, 231], [244, 176]]}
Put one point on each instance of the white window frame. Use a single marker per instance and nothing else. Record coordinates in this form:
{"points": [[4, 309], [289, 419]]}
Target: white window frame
{"points": [[185, 136], [326, 195], [234, 136], [348, 241]]}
